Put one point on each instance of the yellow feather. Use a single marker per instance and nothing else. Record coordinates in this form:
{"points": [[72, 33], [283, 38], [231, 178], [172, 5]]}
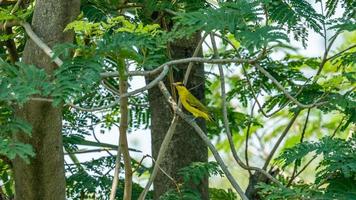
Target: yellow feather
{"points": [[191, 103]]}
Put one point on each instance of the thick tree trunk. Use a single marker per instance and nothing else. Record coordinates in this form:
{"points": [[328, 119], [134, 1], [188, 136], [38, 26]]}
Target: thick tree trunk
{"points": [[44, 177], [186, 146]]}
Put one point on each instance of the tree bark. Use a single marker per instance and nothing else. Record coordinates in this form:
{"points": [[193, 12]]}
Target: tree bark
{"points": [[44, 177], [186, 146]]}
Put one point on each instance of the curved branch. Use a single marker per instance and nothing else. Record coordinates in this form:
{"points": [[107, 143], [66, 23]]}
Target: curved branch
{"points": [[45, 48], [289, 96], [226, 121]]}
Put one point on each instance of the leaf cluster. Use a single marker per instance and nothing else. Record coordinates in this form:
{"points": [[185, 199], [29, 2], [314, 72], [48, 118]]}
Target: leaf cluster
{"points": [[336, 172]]}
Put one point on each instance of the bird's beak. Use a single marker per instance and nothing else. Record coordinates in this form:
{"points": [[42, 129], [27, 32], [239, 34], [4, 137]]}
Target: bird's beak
{"points": [[177, 84]]}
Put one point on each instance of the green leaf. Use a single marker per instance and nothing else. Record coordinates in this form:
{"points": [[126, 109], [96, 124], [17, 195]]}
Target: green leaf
{"points": [[11, 149], [197, 171]]}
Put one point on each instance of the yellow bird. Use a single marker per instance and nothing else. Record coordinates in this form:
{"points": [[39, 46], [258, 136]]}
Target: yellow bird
{"points": [[191, 103]]}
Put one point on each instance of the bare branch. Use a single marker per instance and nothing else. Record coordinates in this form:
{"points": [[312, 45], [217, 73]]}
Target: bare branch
{"points": [[301, 140], [110, 87], [280, 139], [204, 138], [130, 73], [162, 151], [226, 121], [16, 7], [341, 52], [248, 136], [40, 43], [82, 151], [123, 143], [171, 130], [289, 96]]}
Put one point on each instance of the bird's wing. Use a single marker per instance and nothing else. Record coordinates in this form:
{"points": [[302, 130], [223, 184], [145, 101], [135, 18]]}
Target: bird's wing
{"points": [[193, 101]]}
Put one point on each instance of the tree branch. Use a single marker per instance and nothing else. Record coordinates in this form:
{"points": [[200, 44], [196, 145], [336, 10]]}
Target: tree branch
{"points": [[204, 138], [247, 138], [315, 156], [168, 137], [226, 121], [82, 151], [48, 51], [289, 96], [280, 139], [341, 52], [301, 140], [124, 114], [162, 151]]}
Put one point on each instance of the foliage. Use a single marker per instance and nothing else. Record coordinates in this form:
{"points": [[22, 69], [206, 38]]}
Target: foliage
{"points": [[217, 194], [338, 157], [197, 171], [6, 176], [238, 17], [140, 33], [336, 171], [93, 180], [193, 175]]}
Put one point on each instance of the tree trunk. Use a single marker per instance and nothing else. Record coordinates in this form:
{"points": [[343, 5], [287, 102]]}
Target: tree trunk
{"points": [[44, 177], [186, 146]]}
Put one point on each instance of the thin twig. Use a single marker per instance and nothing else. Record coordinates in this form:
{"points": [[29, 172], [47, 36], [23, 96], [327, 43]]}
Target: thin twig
{"points": [[303, 168], [140, 163], [226, 122], [98, 141], [110, 87], [341, 52], [280, 139], [82, 151], [247, 137], [16, 7], [130, 73], [255, 96], [204, 138], [166, 173], [326, 46], [287, 94], [301, 140], [162, 150]]}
